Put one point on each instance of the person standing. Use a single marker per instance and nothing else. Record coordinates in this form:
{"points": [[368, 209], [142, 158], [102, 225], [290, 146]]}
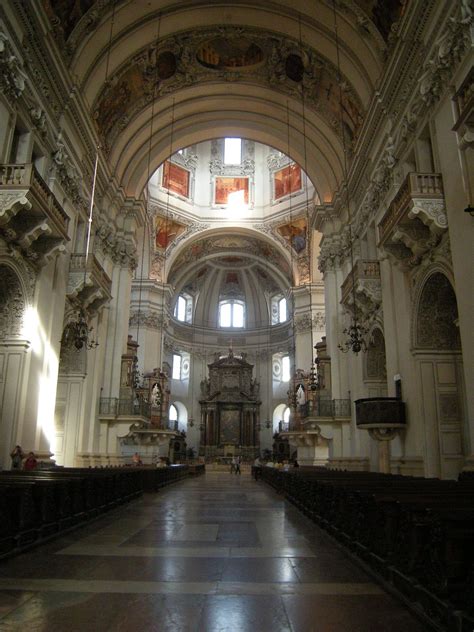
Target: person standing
{"points": [[238, 461], [17, 457], [31, 463]]}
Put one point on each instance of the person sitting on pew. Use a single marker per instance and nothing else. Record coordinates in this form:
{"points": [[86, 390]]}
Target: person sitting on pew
{"points": [[31, 463], [17, 457]]}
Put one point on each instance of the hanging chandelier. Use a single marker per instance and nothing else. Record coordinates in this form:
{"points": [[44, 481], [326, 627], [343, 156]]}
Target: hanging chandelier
{"points": [[355, 338], [78, 333]]}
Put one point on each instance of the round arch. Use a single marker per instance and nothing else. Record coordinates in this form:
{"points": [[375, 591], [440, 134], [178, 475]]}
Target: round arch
{"points": [[198, 116], [227, 232]]}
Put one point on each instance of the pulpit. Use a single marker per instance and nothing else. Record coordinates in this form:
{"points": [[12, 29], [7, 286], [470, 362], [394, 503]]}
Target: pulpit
{"points": [[230, 406]]}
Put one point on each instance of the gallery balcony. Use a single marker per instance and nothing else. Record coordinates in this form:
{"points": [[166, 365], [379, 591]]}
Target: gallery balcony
{"points": [[363, 282], [88, 283], [415, 219], [31, 218], [115, 408], [319, 410]]}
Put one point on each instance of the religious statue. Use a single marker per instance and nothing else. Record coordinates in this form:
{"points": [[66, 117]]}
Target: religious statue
{"points": [[155, 395], [300, 395]]}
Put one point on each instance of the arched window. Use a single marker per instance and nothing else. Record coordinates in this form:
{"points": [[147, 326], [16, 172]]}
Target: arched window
{"points": [[183, 309], [180, 367], [173, 417], [231, 313], [281, 367], [173, 413], [279, 309]]}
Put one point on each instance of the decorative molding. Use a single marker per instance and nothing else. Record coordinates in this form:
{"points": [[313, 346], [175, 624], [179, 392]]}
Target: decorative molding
{"points": [[119, 103], [12, 75], [149, 319]]}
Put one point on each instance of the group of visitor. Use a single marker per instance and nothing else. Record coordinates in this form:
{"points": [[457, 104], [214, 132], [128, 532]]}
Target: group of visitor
{"points": [[20, 461]]}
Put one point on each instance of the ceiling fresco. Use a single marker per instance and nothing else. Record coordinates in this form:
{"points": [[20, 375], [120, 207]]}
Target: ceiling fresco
{"points": [[66, 15], [266, 60], [209, 247]]}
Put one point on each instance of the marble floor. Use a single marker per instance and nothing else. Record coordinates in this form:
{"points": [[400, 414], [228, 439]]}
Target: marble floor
{"points": [[215, 553]]}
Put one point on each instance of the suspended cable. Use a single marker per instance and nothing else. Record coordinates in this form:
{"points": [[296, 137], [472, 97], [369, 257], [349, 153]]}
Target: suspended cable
{"points": [[355, 341], [146, 227], [163, 273]]}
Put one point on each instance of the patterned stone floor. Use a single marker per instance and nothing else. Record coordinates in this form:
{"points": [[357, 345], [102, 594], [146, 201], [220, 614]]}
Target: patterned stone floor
{"points": [[217, 553]]}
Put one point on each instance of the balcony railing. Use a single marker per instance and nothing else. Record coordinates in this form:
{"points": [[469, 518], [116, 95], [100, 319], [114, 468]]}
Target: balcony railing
{"points": [[116, 407], [416, 186], [30, 215], [88, 282], [363, 270], [25, 176]]}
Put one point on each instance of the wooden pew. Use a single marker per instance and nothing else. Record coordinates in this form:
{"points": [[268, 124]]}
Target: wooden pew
{"points": [[416, 533]]}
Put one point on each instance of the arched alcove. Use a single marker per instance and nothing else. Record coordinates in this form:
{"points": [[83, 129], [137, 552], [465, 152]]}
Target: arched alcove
{"points": [[436, 321], [375, 365], [438, 358], [12, 303]]}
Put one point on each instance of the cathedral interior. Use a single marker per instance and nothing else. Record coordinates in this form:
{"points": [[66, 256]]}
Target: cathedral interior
{"points": [[234, 231]]}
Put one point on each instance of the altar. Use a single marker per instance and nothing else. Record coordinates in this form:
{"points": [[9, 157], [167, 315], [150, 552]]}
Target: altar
{"points": [[230, 407]]}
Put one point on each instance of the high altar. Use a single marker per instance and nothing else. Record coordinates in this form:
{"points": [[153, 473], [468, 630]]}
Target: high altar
{"points": [[230, 407]]}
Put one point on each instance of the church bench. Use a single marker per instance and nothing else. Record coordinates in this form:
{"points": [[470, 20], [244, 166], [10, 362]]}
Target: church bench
{"points": [[416, 533], [18, 515], [39, 504]]}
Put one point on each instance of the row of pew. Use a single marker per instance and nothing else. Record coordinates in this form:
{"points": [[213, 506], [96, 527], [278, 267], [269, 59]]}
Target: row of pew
{"points": [[416, 534], [35, 505]]}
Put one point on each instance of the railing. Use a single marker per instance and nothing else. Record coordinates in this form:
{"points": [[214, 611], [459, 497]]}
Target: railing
{"points": [[78, 264], [363, 269], [416, 185], [115, 407], [331, 407], [380, 412], [26, 176]]}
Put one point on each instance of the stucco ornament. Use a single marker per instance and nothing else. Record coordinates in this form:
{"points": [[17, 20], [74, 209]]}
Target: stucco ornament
{"points": [[12, 75]]}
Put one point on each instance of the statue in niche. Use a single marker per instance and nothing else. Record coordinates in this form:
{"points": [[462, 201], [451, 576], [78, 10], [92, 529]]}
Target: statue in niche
{"points": [[156, 395], [301, 395]]}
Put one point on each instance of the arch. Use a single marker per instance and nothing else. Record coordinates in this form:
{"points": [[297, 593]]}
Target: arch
{"points": [[278, 261], [13, 302], [199, 117], [375, 360], [435, 320], [182, 415], [280, 413]]}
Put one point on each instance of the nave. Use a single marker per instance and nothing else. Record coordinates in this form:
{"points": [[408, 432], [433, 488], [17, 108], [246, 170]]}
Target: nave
{"points": [[215, 553]]}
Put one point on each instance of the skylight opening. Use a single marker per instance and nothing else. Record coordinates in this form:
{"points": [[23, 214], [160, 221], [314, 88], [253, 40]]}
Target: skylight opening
{"points": [[232, 151]]}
